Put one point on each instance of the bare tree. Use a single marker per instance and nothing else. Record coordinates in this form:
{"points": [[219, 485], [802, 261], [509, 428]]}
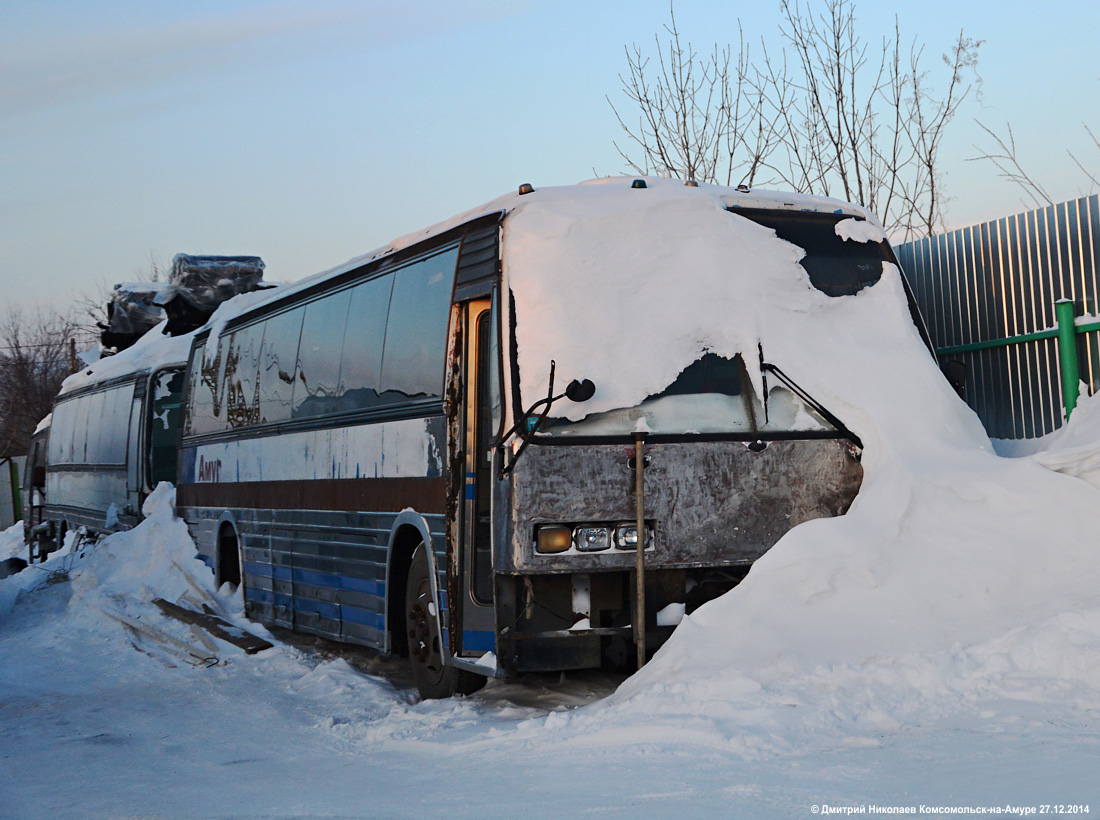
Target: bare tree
{"points": [[826, 115], [35, 357], [1092, 176], [698, 118], [1003, 156]]}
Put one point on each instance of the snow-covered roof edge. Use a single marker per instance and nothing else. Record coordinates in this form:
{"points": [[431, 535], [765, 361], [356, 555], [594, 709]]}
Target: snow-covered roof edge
{"points": [[728, 197], [151, 351]]}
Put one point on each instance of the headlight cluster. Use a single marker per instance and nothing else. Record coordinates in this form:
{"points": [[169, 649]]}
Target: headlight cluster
{"points": [[551, 539]]}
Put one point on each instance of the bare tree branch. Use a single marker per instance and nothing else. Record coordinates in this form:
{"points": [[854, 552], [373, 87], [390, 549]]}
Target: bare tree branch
{"points": [[826, 115], [34, 360], [1005, 160], [1091, 176]]}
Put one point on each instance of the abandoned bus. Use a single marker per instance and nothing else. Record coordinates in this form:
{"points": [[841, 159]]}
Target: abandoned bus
{"points": [[113, 434], [109, 443], [385, 454]]}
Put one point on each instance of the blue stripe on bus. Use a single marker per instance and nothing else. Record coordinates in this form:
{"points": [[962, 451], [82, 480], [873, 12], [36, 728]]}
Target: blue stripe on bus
{"points": [[335, 581], [478, 640], [363, 617], [330, 611], [334, 612], [313, 578], [257, 570]]}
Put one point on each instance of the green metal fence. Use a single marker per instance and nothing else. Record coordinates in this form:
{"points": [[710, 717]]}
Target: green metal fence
{"points": [[1066, 332], [999, 299]]}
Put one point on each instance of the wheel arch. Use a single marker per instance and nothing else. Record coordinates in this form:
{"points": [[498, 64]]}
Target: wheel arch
{"points": [[409, 531], [226, 524]]}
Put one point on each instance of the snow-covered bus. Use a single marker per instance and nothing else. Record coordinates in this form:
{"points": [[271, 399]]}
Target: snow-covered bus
{"points": [[385, 454], [110, 442]]}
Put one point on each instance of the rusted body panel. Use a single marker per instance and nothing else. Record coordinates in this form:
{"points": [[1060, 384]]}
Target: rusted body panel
{"points": [[711, 503]]}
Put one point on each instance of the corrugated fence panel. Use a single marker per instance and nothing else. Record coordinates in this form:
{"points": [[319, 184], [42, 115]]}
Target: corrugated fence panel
{"points": [[1001, 279]]}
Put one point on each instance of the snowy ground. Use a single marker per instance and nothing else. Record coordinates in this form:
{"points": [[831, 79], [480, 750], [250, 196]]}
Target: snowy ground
{"points": [[937, 646], [100, 720]]}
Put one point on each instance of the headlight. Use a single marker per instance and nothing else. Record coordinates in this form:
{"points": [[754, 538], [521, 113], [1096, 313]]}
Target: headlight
{"points": [[592, 539], [552, 539], [626, 537]]}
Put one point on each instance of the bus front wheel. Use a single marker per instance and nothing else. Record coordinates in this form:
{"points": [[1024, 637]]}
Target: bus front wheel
{"points": [[434, 677]]}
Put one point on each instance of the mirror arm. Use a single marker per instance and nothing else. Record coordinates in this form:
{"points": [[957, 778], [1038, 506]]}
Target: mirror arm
{"points": [[576, 391]]}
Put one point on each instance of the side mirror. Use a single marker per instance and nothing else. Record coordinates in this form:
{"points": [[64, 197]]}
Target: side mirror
{"points": [[580, 390]]}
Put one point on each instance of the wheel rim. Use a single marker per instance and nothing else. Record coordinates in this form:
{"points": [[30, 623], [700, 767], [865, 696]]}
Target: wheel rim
{"points": [[425, 646]]}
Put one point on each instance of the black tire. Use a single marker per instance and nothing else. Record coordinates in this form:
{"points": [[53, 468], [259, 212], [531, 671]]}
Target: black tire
{"points": [[435, 678]]}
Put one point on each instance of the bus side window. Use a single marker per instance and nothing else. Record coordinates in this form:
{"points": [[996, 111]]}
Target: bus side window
{"points": [[414, 359], [361, 360], [277, 363], [318, 377], [242, 371]]}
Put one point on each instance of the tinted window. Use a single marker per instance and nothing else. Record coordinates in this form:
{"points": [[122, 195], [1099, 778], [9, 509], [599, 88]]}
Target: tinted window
{"points": [[205, 395], [85, 432], [277, 360], [836, 267], [416, 331], [316, 387], [241, 378], [61, 434], [93, 428], [113, 423], [361, 362]]}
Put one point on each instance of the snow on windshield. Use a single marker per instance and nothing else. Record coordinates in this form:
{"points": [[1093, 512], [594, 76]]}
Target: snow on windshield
{"points": [[627, 287]]}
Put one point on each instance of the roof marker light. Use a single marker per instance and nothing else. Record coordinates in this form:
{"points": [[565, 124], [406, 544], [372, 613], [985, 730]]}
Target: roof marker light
{"points": [[526, 188], [743, 188], [691, 183], [638, 183]]}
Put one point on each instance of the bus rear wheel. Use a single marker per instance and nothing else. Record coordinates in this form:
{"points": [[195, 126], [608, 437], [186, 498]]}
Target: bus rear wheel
{"points": [[434, 677]]}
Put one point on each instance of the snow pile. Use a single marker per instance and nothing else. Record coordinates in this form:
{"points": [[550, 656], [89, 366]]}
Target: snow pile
{"points": [[130, 569], [860, 230], [124, 571], [958, 578], [11, 542]]}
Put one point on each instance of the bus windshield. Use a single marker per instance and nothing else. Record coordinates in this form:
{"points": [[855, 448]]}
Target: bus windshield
{"points": [[713, 395]]}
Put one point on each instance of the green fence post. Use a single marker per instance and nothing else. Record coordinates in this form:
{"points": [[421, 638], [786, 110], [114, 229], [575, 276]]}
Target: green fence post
{"points": [[1067, 352]]}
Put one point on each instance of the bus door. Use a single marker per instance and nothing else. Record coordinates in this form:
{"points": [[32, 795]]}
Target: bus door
{"points": [[134, 445], [482, 417]]}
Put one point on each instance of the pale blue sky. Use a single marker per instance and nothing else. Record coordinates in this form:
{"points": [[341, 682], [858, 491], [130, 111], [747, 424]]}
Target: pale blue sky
{"points": [[310, 132]]}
